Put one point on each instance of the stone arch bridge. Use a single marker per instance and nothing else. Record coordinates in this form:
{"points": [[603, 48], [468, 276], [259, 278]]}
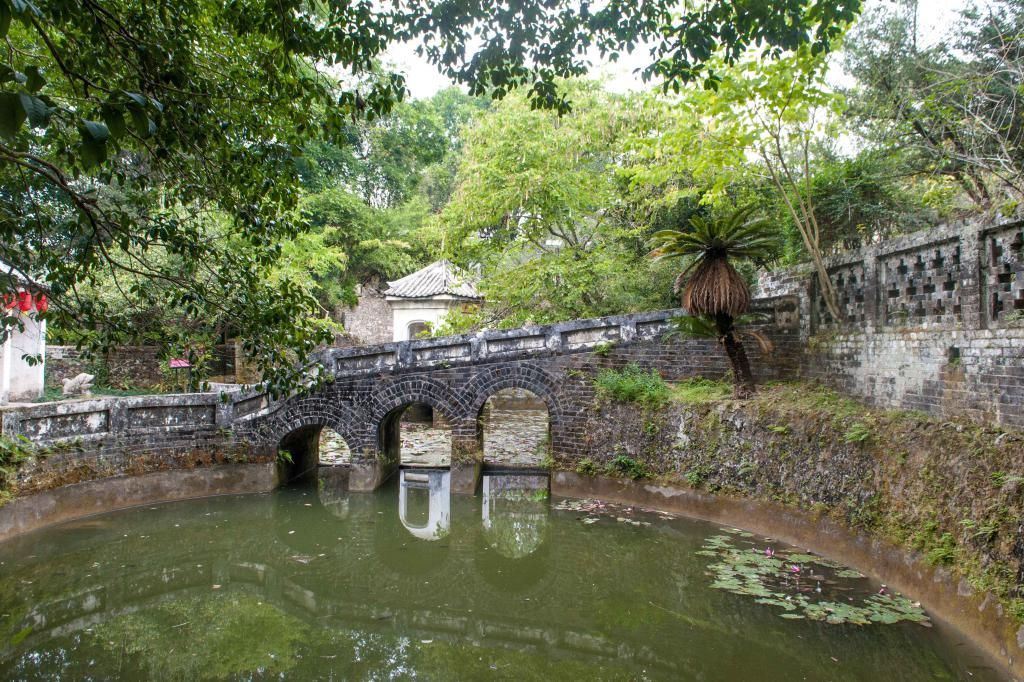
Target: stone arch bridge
{"points": [[455, 376]]}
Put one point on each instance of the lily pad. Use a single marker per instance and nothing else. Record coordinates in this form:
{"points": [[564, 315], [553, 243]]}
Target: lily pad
{"points": [[784, 580]]}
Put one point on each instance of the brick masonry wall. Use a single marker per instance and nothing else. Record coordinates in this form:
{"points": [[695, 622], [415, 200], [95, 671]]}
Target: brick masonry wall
{"points": [[933, 321], [371, 320], [121, 366]]}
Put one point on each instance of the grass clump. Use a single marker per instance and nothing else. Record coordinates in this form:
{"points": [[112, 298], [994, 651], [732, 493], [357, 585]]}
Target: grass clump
{"points": [[858, 432], [586, 467], [700, 390], [625, 465], [633, 384], [13, 453]]}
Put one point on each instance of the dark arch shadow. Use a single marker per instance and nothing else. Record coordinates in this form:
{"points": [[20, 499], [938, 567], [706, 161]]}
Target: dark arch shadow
{"points": [[301, 441]]}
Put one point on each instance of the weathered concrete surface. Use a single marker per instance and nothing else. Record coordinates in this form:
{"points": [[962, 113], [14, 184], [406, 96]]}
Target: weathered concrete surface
{"points": [[976, 615], [94, 497]]}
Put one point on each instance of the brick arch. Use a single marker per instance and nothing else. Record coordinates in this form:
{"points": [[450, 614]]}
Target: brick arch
{"points": [[391, 395], [346, 421], [528, 377]]}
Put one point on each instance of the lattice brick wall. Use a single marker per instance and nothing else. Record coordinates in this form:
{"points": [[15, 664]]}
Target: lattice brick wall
{"points": [[922, 286], [1003, 275]]}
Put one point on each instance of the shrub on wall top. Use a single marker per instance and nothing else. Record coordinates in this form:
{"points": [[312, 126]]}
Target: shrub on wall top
{"points": [[632, 384]]}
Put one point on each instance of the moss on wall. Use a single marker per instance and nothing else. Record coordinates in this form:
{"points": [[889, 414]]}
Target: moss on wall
{"points": [[950, 489]]}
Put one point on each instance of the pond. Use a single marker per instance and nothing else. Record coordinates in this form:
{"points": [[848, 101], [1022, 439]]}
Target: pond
{"points": [[412, 583]]}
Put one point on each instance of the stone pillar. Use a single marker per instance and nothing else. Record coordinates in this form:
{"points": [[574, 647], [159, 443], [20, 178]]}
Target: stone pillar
{"points": [[371, 467], [467, 456], [971, 254], [871, 286]]}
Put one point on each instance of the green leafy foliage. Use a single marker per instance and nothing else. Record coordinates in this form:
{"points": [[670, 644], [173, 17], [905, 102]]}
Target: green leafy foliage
{"points": [[126, 128], [586, 467], [946, 112], [627, 466], [700, 390], [859, 432], [539, 207], [632, 384], [13, 453]]}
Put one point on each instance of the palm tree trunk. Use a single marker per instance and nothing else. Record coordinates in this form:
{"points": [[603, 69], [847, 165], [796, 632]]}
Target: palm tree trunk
{"points": [[743, 378]]}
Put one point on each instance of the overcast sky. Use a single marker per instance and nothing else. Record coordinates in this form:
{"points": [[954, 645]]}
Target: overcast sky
{"points": [[423, 80]]}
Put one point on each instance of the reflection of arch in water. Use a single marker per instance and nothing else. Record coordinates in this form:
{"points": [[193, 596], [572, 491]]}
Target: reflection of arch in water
{"points": [[515, 513], [437, 485]]}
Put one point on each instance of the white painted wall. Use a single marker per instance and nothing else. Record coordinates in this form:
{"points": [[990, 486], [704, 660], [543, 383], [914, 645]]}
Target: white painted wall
{"points": [[406, 311], [18, 380]]}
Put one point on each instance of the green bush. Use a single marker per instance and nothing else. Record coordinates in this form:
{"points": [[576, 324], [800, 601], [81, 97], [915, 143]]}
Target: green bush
{"points": [[623, 464], [858, 432], [944, 552], [586, 467], [633, 384]]}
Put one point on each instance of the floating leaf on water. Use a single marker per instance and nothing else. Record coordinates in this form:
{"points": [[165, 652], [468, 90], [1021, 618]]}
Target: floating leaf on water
{"points": [[771, 581]]}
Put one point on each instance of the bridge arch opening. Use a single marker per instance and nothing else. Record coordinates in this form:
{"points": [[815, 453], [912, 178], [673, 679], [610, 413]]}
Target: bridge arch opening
{"points": [[417, 435], [515, 429], [303, 451]]}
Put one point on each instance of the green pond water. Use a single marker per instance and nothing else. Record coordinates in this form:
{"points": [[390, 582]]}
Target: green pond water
{"points": [[412, 583]]}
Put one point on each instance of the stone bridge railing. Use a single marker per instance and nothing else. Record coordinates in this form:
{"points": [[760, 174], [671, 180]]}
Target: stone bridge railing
{"points": [[454, 375], [449, 351], [165, 419]]}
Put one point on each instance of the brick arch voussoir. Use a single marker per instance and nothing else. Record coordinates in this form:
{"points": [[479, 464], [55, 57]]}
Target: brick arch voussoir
{"points": [[409, 390], [532, 378], [346, 421]]}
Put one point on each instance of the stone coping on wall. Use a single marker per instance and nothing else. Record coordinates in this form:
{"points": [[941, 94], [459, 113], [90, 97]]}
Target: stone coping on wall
{"points": [[538, 340], [100, 417]]}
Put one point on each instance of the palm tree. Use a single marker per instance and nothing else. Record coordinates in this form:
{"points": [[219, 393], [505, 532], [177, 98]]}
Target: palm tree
{"points": [[710, 287]]}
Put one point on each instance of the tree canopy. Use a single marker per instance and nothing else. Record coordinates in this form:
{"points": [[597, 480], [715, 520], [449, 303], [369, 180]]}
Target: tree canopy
{"points": [[126, 128]]}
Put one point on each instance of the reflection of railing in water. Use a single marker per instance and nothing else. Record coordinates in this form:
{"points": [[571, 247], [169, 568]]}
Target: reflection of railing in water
{"points": [[84, 611]]}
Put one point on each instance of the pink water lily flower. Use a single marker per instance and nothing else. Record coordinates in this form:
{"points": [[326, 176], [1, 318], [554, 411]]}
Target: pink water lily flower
{"points": [[794, 569], [769, 552]]}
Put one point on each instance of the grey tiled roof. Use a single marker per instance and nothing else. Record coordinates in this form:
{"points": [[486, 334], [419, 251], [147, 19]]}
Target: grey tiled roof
{"points": [[436, 279]]}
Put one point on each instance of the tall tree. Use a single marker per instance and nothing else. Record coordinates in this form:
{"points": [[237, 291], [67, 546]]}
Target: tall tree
{"points": [[703, 143], [952, 108], [539, 206], [125, 123], [710, 288]]}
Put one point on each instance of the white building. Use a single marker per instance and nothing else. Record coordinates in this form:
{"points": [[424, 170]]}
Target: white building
{"points": [[19, 378], [422, 299]]}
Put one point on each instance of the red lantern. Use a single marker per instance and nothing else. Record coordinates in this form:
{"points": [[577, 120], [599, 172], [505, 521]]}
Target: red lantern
{"points": [[10, 300], [24, 301], [42, 305]]}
